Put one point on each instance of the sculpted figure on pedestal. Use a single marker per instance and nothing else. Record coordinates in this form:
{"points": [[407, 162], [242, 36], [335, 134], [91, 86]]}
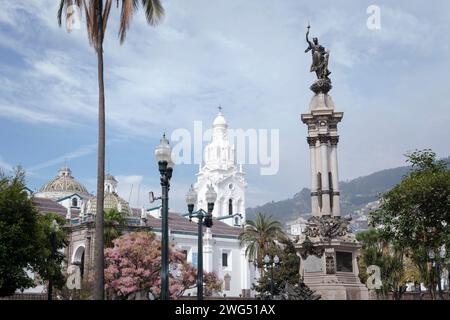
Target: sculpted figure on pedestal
{"points": [[320, 57]]}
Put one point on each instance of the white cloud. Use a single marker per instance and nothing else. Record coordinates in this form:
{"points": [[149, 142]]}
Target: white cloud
{"points": [[80, 152], [5, 165], [249, 57], [29, 115]]}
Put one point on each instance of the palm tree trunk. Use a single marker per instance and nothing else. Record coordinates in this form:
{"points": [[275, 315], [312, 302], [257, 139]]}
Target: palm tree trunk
{"points": [[99, 240]]}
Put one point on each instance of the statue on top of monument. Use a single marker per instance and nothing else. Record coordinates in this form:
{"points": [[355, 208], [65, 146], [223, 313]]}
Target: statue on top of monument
{"points": [[320, 57]]}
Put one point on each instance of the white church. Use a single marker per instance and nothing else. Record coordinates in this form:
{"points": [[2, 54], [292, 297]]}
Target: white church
{"points": [[220, 170], [222, 253]]}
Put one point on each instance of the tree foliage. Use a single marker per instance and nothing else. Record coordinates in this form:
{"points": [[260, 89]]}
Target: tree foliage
{"points": [[259, 235], [25, 239], [50, 244], [286, 272], [18, 231], [134, 265], [415, 214], [153, 11], [396, 267], [114, 221]]}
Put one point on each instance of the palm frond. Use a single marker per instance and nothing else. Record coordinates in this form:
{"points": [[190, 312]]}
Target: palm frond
{"points": [[154, 11], [63, 6], [128, 8], [260, 234], [106, 12]]}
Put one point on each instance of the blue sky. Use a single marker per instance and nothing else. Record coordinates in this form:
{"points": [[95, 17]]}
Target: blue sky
{"points": [[248, 56]]}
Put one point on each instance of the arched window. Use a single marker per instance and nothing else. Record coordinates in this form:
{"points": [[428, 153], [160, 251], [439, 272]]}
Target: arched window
{"points": [[74, 202], [230, 207]]}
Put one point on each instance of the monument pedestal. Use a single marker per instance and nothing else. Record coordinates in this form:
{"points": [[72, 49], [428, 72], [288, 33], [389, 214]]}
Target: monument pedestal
{"points": [[328, 253]]}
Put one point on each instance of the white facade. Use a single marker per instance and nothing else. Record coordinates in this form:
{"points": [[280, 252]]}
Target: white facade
{"points": [[296, 227], [222, 253], [222, 256], [220, 170]]}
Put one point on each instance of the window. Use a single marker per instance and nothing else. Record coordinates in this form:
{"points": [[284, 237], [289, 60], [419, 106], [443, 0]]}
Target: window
{"points": [[236, 221], [74, 202], [344, 261], [330, 180], [185, 252], [230, 207], [224, 259], [319, 181], [194, 259]]}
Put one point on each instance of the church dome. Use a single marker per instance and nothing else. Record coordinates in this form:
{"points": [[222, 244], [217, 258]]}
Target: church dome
{"points": [[112, 201], [64, 184], [220, 120]]}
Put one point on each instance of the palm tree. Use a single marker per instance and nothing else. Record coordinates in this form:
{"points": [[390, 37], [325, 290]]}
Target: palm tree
{"points": [[97, 13], [259, 235], [113, 222]]}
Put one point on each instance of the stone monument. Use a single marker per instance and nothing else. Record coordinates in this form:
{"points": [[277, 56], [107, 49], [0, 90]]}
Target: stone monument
{"points": [[327, 248]]}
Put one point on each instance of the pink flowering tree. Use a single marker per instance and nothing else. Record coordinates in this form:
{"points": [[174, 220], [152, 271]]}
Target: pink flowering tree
{"points": [[134, 264]]}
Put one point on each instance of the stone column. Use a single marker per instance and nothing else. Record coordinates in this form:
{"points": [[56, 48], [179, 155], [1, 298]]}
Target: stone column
{"points": [[245, 270], [87, 256], [314, 195], [335, 176], [326, 208], [208, 251]]}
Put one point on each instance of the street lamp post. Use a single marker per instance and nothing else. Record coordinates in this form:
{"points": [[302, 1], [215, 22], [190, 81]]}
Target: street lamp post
{"points": [[447, 262], [203, 218], [53, 230], [271, 265], [163, 154], [435, 267]]}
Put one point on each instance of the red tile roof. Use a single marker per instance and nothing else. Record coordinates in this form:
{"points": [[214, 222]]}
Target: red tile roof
{"points": [[49, 206], [180, 223]]}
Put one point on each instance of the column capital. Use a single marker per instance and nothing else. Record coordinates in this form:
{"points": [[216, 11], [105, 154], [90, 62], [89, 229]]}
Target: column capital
{"points": [[334, 140], [311, 141], [323, 138]]}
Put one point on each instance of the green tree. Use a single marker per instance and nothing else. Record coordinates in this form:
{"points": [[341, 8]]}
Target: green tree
{"points": [[415, 214], [258, 236], [97, 14], [396, 267], [286, 272], [18, 233], [50, 243], [114, 221]]}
